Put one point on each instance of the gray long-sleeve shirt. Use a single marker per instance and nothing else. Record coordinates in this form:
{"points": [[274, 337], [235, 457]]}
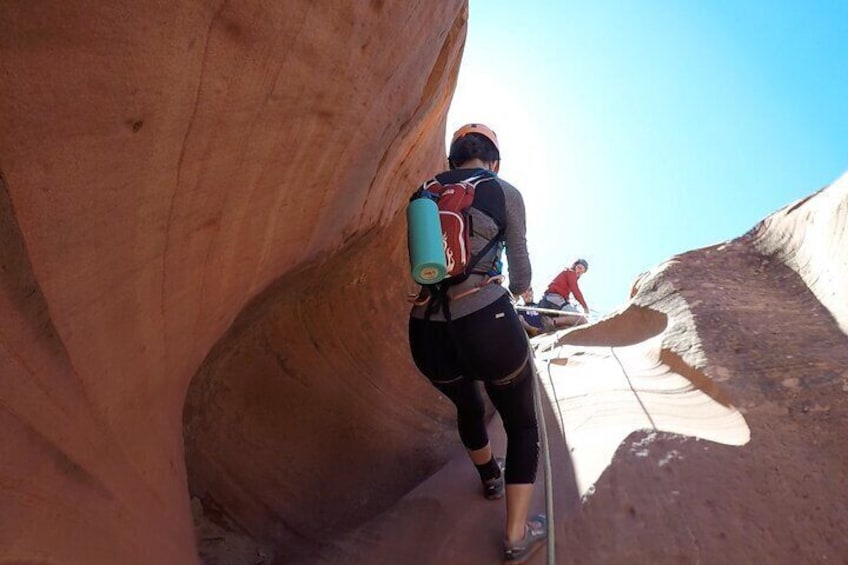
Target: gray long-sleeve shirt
{"points": [[485, 228]]}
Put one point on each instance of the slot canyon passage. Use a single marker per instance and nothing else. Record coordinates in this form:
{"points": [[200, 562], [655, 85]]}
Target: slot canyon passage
{"points": [[203, 353]]}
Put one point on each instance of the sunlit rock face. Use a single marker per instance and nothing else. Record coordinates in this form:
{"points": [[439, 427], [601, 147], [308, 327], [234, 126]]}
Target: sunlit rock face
{"points": [[202, 291], [604, 392], [703, 423], [165, 171], [757, 328]]}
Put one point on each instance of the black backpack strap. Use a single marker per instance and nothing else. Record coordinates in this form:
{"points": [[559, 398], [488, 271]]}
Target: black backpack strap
{"points": [[438, 298], [422, 189], [486, 248], [493, 207]]}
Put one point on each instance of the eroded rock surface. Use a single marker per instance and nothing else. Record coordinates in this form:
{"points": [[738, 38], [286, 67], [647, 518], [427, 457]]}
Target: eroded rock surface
{"points": [[163, 166], [200, 207], [725, 347], [759, 332]]}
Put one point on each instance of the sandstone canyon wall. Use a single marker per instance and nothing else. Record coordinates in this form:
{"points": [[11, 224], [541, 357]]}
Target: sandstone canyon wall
{"points": [[742, 459], [762, 318], [164, 165], [202, 290]]}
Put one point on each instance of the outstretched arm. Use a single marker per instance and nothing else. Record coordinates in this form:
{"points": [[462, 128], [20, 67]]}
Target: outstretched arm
{"points": [[575, 290]]}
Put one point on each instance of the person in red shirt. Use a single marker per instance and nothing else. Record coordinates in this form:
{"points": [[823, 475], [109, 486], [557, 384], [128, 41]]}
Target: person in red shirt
{"points": [[556, 297]]}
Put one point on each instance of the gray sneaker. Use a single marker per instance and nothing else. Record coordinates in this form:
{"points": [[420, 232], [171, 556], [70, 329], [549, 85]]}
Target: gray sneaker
{"points": [[535, 532], [493, 489]]}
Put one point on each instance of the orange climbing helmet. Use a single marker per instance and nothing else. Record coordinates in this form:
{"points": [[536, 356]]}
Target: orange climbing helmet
{"points": [[483, 130]]}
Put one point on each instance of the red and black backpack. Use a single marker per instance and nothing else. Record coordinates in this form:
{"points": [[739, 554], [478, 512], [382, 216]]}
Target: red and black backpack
{"points": [[454, 199]]}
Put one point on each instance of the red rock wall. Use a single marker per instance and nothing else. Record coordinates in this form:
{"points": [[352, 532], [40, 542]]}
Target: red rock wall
{"points": [[308, 417], [748, 314], [163, 165], [742, 322]]}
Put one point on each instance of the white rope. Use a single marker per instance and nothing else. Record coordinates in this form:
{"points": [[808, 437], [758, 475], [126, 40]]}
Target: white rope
{"points": [[546, 458], [633, 389], [546, 454], [543, 441], [550, 311]]}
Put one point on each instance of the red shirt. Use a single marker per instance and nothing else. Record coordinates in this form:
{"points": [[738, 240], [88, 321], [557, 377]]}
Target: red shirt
{"points": [[564, 284]]}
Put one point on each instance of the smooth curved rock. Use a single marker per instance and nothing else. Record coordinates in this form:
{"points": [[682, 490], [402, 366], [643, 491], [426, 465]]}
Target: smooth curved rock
{"points": [[200, 203], [604, 390], [766, 337], [161, 167], [309, 418], [811, 237], [728, 321]]}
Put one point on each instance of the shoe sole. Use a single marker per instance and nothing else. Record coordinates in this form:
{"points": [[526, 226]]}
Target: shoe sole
{"points": [[526, 558], [534, 547]]}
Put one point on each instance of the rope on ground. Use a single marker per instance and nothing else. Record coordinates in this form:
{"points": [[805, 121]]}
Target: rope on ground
{"points": [[554, 392], [546, 455], [543, 440], [636, 394]]}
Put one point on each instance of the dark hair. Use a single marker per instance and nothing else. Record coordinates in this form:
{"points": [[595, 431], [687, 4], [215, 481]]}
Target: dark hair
{"points": [[472, 146]]}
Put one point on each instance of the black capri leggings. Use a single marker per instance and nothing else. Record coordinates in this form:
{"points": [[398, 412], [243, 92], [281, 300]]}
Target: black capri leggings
{"points": [[488, 345]]}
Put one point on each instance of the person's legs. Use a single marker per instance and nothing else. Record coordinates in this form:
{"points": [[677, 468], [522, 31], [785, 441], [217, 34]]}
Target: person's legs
{"points": [[576, 314], [471, 423], [515, 403], [565, 321], [492, 344], [548, 323], [518, 499], [481, 456], [574, 317], [550, 302], [434, 352], [470, 417], [494, 339]]}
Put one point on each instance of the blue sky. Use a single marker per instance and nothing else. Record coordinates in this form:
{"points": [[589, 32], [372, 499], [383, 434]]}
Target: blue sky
{"points": [[640, 130]]}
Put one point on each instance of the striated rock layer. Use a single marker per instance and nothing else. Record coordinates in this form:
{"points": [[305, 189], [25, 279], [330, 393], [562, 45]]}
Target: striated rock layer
{"points": [[761, 318], [202, 291], [161, 167], [730, 373]]}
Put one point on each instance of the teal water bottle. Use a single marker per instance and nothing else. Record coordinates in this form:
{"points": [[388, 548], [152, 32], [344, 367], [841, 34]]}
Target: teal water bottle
{"points": [[426, 252]]}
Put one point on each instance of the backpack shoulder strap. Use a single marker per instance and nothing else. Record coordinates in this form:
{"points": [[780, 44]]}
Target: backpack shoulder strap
{"points": [[423, 188], [492, 204]]}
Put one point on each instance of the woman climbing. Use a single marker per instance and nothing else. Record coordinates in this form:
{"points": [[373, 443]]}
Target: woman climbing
{"points": [[467, 330]]}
